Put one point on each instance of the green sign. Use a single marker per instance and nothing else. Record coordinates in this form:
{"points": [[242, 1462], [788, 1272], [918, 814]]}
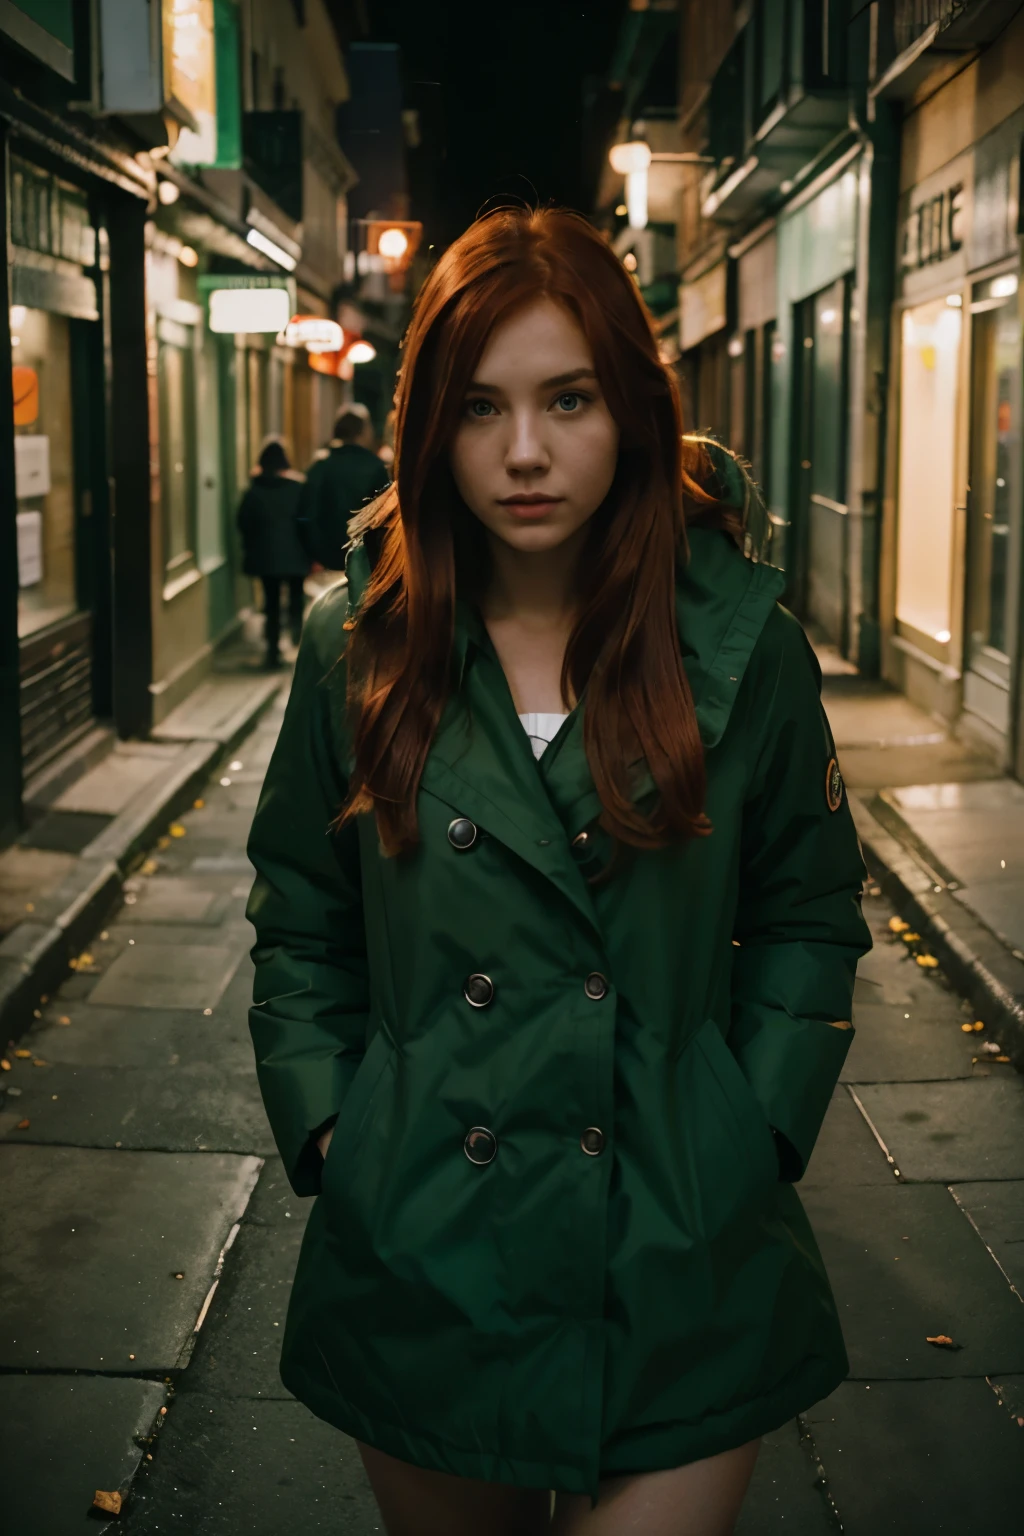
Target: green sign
{"points": [[44, 28], [229, 86]]}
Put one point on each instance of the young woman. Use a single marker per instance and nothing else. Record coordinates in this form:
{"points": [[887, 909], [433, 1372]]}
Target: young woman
{"points": [[557, 914]]}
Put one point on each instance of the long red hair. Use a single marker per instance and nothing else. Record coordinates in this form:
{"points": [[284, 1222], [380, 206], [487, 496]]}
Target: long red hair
{"points": [[623, 657]]}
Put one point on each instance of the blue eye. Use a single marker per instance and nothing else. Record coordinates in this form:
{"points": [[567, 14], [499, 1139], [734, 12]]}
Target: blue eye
{"points": [[569, 402], [479, 408]]}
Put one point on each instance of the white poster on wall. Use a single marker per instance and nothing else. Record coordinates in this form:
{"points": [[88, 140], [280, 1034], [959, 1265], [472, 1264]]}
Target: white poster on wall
{"points": [[31, 465], [30, 548]]}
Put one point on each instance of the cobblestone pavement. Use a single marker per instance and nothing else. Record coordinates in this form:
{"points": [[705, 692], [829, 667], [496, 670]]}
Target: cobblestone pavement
{"points": [[147, 1173]]}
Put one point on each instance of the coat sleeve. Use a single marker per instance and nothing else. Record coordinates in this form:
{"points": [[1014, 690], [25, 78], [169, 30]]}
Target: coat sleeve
{"points": [[799, 925], [310, 994]]}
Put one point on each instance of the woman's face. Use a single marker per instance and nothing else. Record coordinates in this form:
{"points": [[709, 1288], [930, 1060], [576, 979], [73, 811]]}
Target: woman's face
{"points": [[535, 451]]}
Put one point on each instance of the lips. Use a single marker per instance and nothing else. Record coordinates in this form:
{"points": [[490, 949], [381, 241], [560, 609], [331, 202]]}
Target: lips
{"points": [[531, 508]]}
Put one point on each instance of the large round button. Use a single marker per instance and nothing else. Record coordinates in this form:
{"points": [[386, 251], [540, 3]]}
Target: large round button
{"points": [[462, 833], [580, 845], [595, 986], [478, 990], [480, 1145], [592, 1141]]}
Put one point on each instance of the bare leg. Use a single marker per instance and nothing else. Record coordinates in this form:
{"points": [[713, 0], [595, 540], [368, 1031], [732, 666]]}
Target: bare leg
{"points": [[700, 1499], [416, 1502]]}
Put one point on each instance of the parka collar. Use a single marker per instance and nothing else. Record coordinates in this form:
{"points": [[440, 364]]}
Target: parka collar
{"points": [[723, 601]]}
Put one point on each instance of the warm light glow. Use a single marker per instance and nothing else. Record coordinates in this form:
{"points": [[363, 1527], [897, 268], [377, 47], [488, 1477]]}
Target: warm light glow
{"points": [[955, 300], [314, 333], [626, 158], [249, 309], [786, 186], [828, 316], [629, 261], [942, 636], [361, 352], [188, 257], [1004, 287], [269, 248], [636, 198], [393, 243], [735, 347], [18, 313], [167, 192], [621, 211]]}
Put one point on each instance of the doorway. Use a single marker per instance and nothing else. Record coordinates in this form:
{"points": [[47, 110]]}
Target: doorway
{"points": [[820, 511]]}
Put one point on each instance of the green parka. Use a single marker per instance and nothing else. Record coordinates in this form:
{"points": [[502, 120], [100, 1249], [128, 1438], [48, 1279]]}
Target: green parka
{"points": [[554, 1238]]}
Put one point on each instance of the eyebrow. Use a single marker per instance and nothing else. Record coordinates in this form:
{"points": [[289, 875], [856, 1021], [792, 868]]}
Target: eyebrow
{"points": [[573, 377]]}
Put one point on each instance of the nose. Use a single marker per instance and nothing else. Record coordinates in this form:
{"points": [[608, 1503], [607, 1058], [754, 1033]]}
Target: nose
{"points": [[526, 452]]}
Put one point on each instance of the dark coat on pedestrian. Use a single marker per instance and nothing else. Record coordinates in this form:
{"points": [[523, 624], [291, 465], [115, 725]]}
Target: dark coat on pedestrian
{"points": [[268, 523], [555, 1235], [337, 486]]}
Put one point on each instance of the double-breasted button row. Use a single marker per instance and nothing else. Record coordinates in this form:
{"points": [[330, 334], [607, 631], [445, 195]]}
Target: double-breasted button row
{"points": [[481, 1144]]}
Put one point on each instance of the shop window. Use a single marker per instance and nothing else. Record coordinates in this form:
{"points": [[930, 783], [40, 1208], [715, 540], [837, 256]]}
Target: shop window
{"points": [[994, 498], [928, 388], [176, 385], [41, 344]]}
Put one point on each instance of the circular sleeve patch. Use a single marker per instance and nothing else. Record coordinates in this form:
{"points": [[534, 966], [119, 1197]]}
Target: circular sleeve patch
{"points": [[833, 785]]}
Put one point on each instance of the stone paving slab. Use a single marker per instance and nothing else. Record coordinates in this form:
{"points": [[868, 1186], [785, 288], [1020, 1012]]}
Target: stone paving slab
{"points": [[168, 976], [123, 1037], [906, 1265], [198, 1107], [239, 1351], [107, 787], [782, 1499], [954, 1131], [920, 1458], [64, 1437], [997, 1210], [231, 1468], [172, 899], [90, 1244], [889, 1047], [1000, 905], [845, 1152]]}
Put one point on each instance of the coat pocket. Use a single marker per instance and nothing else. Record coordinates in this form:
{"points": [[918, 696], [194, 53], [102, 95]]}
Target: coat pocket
{"points": [[743, 1105], [356, 1107]]}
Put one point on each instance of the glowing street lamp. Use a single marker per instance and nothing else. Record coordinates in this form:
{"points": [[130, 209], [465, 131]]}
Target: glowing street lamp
{"points": [[632, 160], [393, 243], [361, 352]]}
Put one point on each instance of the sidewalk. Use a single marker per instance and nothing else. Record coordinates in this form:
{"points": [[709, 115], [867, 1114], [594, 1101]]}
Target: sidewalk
{"points": [[944, 831], [149, 1239], [93, 813]]}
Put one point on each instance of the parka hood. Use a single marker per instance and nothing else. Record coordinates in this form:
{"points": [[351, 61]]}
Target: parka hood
{"points": [[723, 596]]}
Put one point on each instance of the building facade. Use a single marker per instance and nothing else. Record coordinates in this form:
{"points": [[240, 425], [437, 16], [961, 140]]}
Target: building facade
{"points": [[155, 154]]}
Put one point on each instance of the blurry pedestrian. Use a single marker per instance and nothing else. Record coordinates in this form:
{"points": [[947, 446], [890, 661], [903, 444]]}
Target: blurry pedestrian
{"points": [[274, 552], [549, 1016], [338, 484]]}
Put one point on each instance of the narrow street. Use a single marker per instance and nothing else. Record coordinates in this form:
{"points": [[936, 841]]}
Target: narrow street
{"points": [[146, 1175]]}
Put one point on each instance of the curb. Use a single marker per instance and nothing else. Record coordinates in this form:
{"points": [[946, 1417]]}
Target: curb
{"points": [[35, 956], [978, 963]]}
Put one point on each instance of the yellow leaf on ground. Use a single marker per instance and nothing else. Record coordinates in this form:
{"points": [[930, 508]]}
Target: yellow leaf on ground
{"points": [[968, 1029], [176, 829], [1000, 1058], [5, 1065], [110, 1503], [150, 867], [197, 805], [85, 958], [977, 1026], [910, 938], [928, 961], [23, 1054], [942, 1341], [23, 1125], [163, 842], [63, 1019], [37, 1061], [897, 925]]}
